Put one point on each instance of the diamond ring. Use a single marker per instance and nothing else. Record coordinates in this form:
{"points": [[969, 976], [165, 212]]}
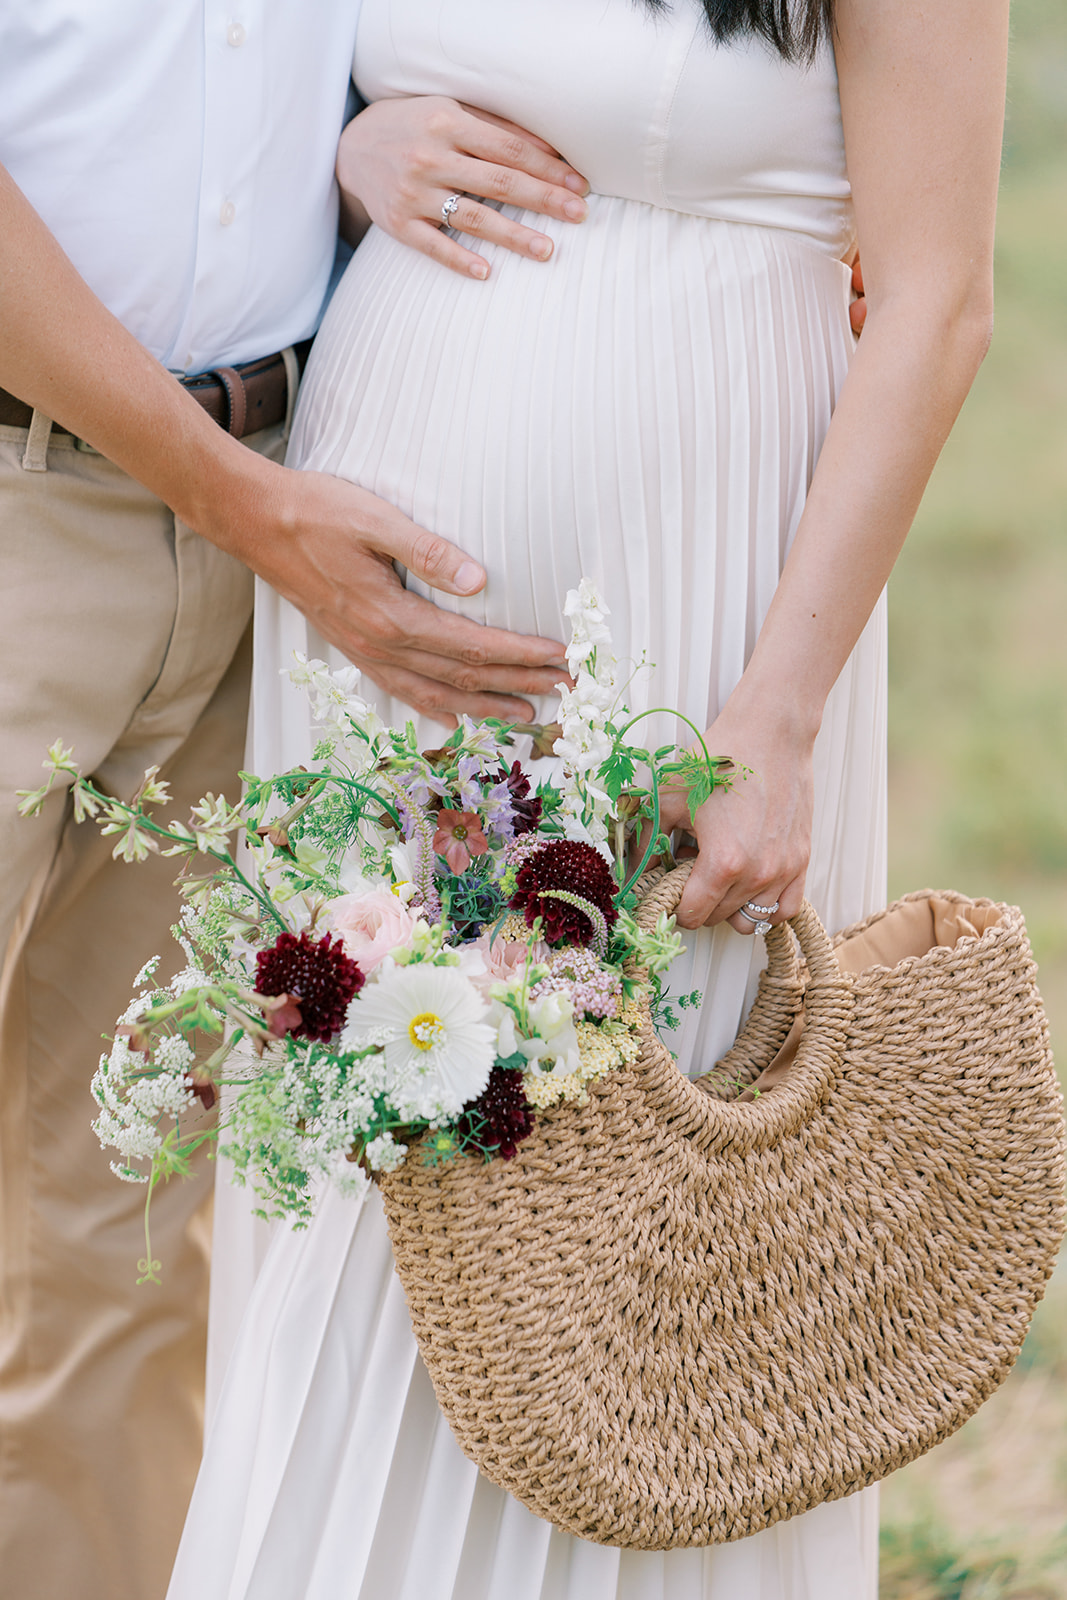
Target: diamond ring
{"points": [[759, 924], [449, 209], [763, 911]]}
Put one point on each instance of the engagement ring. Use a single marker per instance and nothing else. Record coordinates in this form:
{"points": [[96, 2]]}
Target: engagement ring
{"points": [[759, 924]]}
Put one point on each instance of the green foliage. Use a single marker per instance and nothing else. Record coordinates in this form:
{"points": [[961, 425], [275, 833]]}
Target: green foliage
{"points": [[474, 899], [332, 822], [662, 1003], [618, 772]]}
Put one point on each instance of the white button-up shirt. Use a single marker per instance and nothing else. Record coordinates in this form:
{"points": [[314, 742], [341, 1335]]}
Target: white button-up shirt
{"points": [[182, 152]]}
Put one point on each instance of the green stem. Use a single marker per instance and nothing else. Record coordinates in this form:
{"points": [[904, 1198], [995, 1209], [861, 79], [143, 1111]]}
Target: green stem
{"points": [[713, 762], [650, 848], [148, 1268], [322, 779]]}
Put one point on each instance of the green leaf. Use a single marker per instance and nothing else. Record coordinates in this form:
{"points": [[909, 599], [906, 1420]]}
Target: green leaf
{"points": [[617, 771], [512, 1063]]}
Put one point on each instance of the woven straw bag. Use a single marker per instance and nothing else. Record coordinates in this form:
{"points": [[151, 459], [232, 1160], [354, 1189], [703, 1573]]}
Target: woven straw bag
{"points": [[674, 1319]]}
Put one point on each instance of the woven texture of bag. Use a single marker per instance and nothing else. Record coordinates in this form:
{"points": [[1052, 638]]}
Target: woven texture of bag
{"points": [[673, 1320]]}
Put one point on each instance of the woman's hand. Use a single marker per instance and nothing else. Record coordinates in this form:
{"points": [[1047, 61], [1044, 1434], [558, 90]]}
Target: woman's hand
{"points": [[754, 838], [400, 160]]}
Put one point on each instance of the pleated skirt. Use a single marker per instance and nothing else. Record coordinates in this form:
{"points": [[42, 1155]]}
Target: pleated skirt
{"points": [[646, 409]]}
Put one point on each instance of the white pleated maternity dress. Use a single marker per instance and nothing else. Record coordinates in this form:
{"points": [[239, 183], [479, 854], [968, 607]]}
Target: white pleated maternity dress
{"points": [[646, 409]]}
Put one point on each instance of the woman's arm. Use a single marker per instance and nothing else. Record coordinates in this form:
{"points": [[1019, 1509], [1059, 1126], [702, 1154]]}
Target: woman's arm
{"points": [[922, 96]]}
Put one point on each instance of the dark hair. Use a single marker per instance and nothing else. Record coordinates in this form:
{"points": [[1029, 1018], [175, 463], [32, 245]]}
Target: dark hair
{"points": [[795, 28]]}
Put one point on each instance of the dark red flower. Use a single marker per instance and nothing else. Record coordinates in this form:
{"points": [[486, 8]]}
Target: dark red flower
{"points": [[568, 867], [315, 972], [526, 808], [500, 1117]]}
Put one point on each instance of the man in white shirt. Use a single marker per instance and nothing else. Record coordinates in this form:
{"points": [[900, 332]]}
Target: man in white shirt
{"points": [[182, 156]]}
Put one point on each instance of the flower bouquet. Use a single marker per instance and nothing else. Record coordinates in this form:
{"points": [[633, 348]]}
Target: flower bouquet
{"points": [[393, 951]]}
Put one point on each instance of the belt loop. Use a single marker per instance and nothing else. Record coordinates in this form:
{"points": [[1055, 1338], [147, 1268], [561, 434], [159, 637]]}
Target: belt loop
{"points": [[292, 384], [35, 455]]}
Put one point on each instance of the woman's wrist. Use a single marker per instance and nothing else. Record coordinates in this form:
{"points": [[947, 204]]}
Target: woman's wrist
{"points": [[770, 712]]}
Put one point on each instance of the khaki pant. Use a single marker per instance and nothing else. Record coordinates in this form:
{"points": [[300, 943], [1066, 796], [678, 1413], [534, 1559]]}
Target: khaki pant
{"points": [[127, 636]]}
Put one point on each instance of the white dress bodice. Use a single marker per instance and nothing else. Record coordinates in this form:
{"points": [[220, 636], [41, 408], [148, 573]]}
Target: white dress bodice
{"points": [[635, 100]]}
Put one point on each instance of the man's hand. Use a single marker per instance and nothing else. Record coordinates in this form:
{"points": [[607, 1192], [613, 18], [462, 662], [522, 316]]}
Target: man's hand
{"points": [[326, 545], [330, 547], [400, 160]]}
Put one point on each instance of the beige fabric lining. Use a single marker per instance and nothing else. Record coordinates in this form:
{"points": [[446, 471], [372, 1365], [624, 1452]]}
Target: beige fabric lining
{"points": [[913, 928]]}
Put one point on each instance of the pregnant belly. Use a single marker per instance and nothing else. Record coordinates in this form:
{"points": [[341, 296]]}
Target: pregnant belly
{"points": [[645, 408]]}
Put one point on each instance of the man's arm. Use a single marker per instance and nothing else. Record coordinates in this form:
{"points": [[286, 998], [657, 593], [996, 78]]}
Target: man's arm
{"points": [[324, 544]]}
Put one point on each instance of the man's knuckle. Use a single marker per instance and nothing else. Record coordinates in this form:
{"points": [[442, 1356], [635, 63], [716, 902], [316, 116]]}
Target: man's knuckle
{"points": [[435, 700], [475, 655], [381, 632], [430, 555]]}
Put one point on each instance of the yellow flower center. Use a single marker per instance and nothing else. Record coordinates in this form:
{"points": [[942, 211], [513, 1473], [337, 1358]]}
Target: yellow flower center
{"points": [[426, 1030], [459, 832]]}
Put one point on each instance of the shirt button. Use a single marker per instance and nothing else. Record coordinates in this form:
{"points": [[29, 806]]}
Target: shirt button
{"points": [[227, 212], [235, 34]]}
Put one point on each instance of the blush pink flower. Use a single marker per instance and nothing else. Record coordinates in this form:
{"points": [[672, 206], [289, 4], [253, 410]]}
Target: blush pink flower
{"points": [[503, 958], [459, 836], [370, 925]]}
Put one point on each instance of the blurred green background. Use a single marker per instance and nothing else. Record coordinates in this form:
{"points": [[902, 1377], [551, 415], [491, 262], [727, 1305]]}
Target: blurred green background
{"points": [[978, 792]]}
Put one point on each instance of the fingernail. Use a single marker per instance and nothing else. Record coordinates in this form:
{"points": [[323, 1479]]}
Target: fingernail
{"points": [[575, 181], [541, 248], [469, 577], [479, 269], [577, 210]]}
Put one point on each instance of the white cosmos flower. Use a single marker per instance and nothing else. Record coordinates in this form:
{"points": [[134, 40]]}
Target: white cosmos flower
{"points": [[433, 1024]]}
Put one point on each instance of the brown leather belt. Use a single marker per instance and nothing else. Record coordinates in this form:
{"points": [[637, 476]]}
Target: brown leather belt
{"points": [[240, 399]]}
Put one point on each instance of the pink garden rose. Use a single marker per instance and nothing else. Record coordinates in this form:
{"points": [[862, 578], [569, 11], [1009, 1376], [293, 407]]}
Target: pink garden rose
{"points": [[503, 958], [370, 925]]}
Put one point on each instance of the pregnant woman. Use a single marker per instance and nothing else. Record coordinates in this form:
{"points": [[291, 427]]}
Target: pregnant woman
{"points": [[675, 408]]}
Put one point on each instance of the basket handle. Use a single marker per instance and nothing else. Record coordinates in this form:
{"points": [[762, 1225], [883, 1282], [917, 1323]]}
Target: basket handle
{"points": [[661, 890], [827, 998]]}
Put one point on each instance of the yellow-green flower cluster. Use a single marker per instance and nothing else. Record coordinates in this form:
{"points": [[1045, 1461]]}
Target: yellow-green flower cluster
{"points": [[602, 1048]]}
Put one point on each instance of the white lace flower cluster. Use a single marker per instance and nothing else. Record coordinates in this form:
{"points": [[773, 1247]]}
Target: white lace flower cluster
{"points": [[132, 1099], [584, 744]]}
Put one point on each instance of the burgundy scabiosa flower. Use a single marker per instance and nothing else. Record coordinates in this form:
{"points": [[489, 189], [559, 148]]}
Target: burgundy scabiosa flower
{"points": [[568, 884], [317, 974], [500, 1117], [526, 808]]}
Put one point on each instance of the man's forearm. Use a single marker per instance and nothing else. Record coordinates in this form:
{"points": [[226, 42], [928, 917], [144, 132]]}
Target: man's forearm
{"points": [[326, 545], [63, 352]]}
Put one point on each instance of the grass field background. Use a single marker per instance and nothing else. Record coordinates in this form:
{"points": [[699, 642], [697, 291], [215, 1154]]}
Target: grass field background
{"points": [[978, 789]]}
